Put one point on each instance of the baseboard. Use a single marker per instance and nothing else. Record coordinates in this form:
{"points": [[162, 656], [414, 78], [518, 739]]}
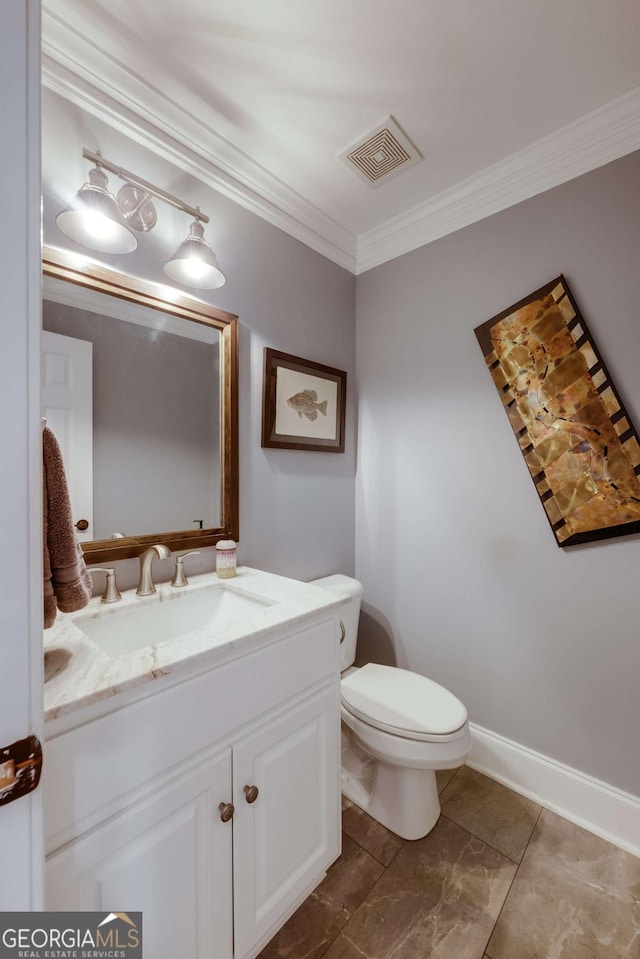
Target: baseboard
{"points": [[596, 806]]}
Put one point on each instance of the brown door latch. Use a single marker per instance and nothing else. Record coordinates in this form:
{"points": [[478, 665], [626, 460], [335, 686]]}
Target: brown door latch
{"points": [[20, 768]]}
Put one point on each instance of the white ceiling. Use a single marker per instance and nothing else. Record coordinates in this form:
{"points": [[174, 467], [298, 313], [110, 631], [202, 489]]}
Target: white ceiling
{"points": [[267, 93]]}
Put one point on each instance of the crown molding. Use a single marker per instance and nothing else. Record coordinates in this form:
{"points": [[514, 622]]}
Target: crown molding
{"points": [[85, 75], [591, 141]]}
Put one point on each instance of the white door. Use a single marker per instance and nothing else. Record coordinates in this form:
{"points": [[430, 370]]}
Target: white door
{"points": [[67, 406], [168, 857], [285, 838], [21, 458]]}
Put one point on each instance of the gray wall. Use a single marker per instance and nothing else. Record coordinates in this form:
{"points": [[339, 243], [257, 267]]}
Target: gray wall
{"points": [[156, 454], [452, 544], [296, 508]]}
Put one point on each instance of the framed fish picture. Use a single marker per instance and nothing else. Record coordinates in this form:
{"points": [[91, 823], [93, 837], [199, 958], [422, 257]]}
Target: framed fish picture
{"points": [[303, 404]]}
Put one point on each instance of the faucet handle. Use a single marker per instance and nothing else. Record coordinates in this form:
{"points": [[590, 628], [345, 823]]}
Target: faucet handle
{"points": [[179, 579], [111, 592]]}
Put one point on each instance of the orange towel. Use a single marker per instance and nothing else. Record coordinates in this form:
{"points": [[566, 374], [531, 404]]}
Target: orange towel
{"points": [[67, 584]]}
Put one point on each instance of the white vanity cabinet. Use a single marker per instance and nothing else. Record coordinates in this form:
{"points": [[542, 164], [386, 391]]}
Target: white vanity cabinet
{"points": [[168, 856], [138, 801], [285, 838]]}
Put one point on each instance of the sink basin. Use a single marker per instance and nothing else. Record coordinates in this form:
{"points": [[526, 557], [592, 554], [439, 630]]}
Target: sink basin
{"points": [[156, 620]]}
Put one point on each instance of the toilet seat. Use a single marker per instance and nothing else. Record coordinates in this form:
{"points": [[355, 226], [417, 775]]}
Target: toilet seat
{"points": [[403, 703]]}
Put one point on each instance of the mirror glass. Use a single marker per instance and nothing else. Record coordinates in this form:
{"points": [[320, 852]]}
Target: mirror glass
{"points": [[136, 396]]}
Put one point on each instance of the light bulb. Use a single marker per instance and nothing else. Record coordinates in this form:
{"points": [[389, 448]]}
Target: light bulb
{"points": [[99, 225], [195, 267]]}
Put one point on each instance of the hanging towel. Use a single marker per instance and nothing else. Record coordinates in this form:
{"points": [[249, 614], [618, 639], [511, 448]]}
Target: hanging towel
{"points": [[67, 584]]}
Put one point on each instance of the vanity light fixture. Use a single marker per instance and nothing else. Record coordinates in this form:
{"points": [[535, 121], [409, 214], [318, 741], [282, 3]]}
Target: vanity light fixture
{"points": [[194, 263], [95, 220], [100, 221]]}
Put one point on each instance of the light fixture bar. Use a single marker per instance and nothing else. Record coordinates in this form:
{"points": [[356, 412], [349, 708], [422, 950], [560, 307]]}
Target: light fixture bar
{"points": [[169, 198]]}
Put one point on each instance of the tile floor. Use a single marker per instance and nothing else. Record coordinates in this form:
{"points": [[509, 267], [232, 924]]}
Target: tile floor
{"points": [[497, 878]]}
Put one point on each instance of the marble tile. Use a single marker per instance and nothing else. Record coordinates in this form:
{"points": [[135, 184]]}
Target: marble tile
{"points": [[444, 777], [575, 897], [490, 811], [440, 898], [379, 841], [322, 915]]}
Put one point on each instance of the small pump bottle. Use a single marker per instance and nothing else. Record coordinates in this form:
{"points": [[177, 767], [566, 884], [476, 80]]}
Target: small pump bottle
{"points": [[226, 558]]}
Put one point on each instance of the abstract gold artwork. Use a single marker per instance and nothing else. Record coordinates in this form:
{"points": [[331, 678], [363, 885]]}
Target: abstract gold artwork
{"points": [[575, 435]]}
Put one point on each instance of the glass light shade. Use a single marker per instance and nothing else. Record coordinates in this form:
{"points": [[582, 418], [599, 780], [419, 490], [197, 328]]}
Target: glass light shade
{"points": [[95, 221], [194, 263]]}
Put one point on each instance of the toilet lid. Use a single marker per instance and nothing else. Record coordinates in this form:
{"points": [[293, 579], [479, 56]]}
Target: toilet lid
{"points": [[401, 701]]}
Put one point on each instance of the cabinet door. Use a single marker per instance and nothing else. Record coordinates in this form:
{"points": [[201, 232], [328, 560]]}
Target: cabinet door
{"points": [[290, 834], [169, 856]]}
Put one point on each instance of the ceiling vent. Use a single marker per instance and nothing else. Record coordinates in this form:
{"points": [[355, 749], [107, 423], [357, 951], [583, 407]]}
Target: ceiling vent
{"points": [[383, 154]]}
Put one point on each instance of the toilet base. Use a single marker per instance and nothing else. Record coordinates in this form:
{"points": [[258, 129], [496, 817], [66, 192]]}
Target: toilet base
{"points": [[404, 800], [402, 794]]}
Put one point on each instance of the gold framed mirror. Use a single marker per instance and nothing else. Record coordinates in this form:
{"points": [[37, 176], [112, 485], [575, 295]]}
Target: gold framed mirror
{"points": [[170, 379]]}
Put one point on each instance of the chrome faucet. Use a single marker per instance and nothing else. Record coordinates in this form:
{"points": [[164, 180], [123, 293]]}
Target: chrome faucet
{"points": [[145, 586]]}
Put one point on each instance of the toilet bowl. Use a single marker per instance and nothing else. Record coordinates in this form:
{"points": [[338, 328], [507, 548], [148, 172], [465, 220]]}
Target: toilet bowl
{"points": [[398, 728]]}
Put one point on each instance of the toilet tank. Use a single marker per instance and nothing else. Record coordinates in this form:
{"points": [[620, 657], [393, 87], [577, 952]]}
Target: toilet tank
{"points": [[349, 613]]}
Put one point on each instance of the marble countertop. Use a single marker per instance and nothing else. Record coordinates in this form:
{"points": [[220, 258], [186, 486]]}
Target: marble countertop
{"points": [[78, 673]]}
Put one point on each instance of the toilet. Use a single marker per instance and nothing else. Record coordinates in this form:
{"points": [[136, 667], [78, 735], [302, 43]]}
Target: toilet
{"points": [[398, 727]]}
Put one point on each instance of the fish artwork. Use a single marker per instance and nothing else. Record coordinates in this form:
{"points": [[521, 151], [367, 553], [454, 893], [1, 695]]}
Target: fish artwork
{"points": [[306, 403]]}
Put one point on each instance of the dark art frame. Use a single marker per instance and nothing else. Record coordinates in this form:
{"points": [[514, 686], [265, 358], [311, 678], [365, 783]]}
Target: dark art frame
{"points": [[577, 439], [273, 362]]}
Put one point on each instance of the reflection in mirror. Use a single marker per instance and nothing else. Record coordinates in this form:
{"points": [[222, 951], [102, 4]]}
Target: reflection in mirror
{"points": [[153, 440], [142, 402]]}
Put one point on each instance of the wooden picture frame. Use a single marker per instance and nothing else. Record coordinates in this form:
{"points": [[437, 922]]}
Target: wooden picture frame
{"points": [[576, 437], [303, 404]]}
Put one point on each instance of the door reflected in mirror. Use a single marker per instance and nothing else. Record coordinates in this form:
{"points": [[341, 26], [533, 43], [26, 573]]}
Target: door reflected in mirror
{"points": [[141, 394]]}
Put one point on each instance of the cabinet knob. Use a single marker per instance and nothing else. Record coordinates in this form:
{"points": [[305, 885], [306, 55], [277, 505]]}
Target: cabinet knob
{"points": [[82, 524], [226, 811], [342, 632], [251, 793]]}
